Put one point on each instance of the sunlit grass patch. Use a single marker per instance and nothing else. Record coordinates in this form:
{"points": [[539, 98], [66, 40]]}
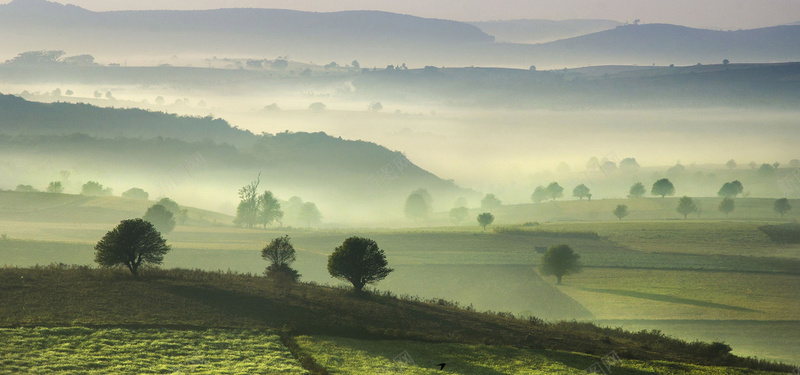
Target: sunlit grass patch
{"points": [[143, 351]]}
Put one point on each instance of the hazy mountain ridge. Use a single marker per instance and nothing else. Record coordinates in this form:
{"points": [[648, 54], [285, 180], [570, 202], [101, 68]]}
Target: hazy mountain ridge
{"points": [[533, 31]]}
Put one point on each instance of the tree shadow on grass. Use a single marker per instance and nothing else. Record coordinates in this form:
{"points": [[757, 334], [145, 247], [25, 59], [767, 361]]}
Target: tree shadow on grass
{"points": [[671, 299]]}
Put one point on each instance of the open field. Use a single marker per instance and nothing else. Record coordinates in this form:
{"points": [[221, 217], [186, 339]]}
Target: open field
{"points": [[70, 350], [349, 356]]}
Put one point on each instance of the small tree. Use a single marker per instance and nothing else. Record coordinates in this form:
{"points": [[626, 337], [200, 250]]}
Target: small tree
{"points": [[160, 217], [539, 194], [560, 260], [280, 254], [458, 214], [359, 261], [136, 193], [663, 187], [554, 190], [782, 206], [621, 211], [731, 164], [637, 190], [490, 203], [726, 206], [581, 191], [55, 187], [132, 243], [686, 206], [485, 219]]}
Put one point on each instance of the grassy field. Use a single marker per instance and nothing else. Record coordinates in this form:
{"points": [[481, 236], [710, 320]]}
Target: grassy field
{"points": [[71, 350], [350, 356]]}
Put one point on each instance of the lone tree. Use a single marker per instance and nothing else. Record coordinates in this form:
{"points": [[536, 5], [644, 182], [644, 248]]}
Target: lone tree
{"points": [[782, 206], [686, 206], [359, 261], [731, 189], [726, 206], [731, 164], [458, 214], [539, 194], [485, 219], [637, 190], [490, 202], [581, 191], [161, 218], [133, 242], [554, 190], [280, 254], [247, 210], [621, 211], [663, 187], [560, 260]]}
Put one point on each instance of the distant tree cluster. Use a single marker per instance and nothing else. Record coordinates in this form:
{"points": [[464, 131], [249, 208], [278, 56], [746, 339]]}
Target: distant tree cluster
{"points": [[95, 189]]}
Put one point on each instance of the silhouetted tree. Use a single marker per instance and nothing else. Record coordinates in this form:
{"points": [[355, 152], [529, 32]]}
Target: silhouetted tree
{"points": [[560, 260], [269, 209], [247, 211], [621, 211], [55, 187], [316, 107], [25, 188], [637, 190], [280, 254], [355, 64], [554, 190], [539, 194], [686, 206], [136, 193], [766, 170], [161, 218], [359, 261], [485, 219], [490, 203], [132, 243], [663, 187], [726, 206], [731, 189], [731, 164], [310, 214], [458, 214], [782, 206], [376, 106], [580, 191], [725, 62], [180, 214]]}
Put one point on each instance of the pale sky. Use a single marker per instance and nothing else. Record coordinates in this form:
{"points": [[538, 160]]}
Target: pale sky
{"points": [[714, 14]]}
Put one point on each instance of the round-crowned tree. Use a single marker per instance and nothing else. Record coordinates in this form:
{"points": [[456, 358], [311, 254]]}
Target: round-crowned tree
{"points": [[560, 260], [485, 219], [160, 217], [663, 187], [360, 261], [132, 243], [621, 211]]}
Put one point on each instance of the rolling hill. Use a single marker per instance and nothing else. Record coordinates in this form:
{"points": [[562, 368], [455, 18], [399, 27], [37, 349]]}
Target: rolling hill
{"points": [[532, 31]]}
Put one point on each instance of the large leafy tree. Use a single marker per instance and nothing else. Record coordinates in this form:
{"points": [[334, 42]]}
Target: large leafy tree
{"points": [[663, 187], [637, 190], [560, 260], [280, 254], [539, 194], [581, 191], [554, 190], [132, 243], [731, 189], [686, 206], [161, 218], [269, 209], [360, 261]]}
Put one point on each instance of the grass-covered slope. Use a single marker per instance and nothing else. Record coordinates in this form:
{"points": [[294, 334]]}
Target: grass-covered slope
{"points": [[58, 296]]}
